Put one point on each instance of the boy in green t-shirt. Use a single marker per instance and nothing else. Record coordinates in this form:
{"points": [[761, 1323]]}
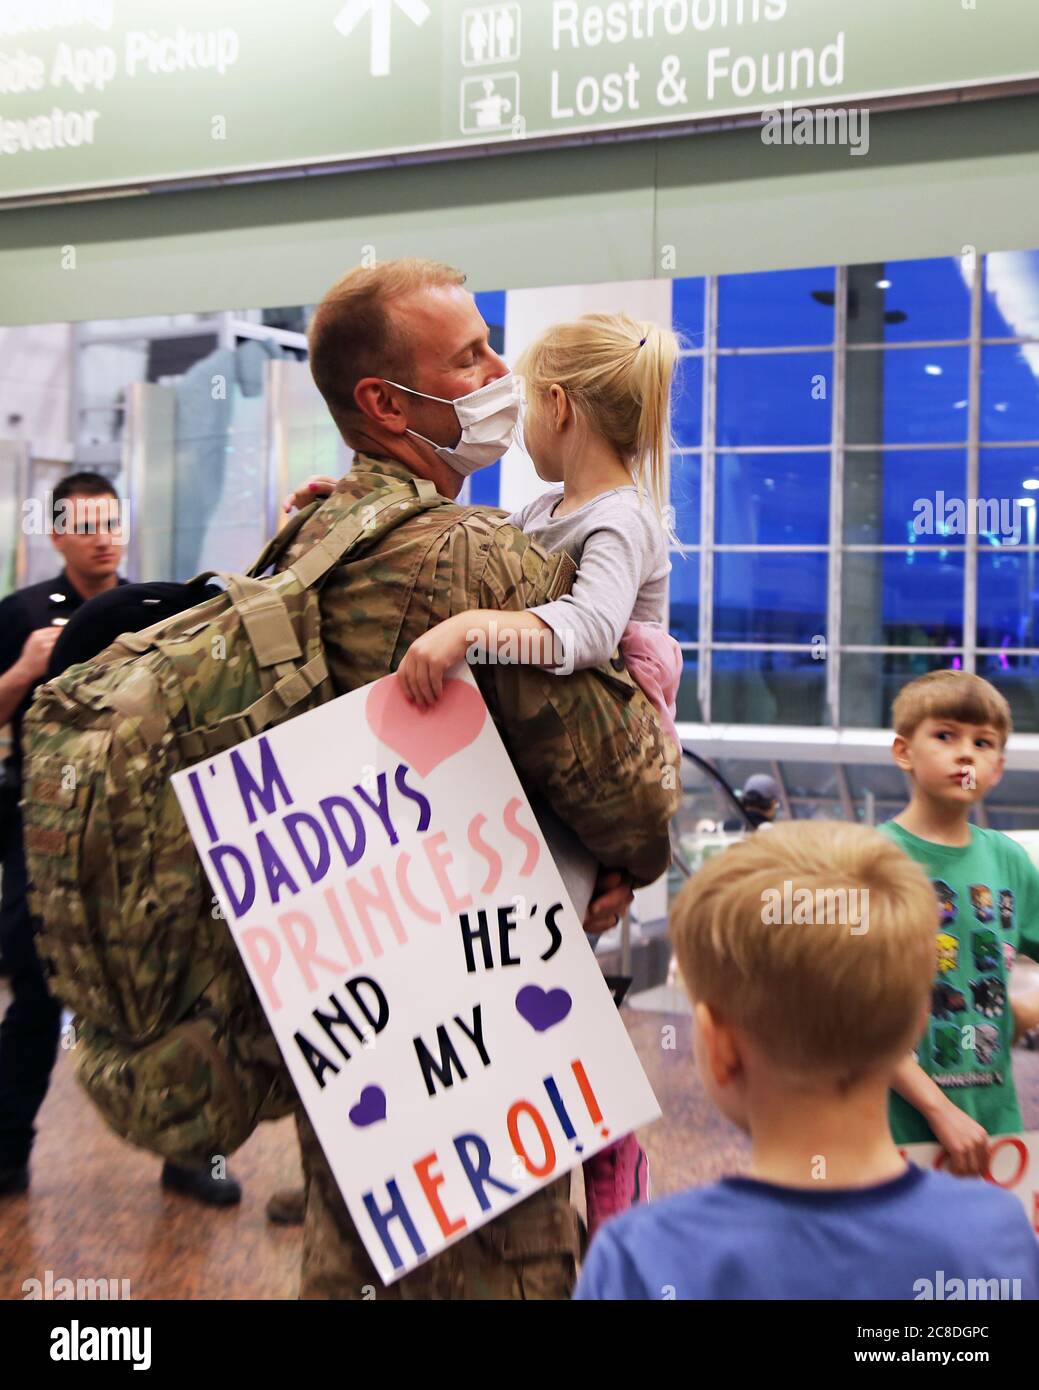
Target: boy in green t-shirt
{"points": [[951, 729]]}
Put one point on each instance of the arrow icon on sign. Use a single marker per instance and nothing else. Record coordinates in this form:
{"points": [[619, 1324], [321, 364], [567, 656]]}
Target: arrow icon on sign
{"points": [[348, 18]]}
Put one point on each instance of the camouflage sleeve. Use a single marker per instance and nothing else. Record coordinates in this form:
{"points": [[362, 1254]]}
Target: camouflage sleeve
{"points": [[590, 743]]}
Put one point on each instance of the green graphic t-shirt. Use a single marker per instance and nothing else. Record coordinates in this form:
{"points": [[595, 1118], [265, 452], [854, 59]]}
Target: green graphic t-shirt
{"points": [[988, 910]]}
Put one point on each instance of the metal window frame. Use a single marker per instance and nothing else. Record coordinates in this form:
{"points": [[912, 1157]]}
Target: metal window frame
{"points": [[970, 567], [835, 575], [968, 546], [708, 471]]}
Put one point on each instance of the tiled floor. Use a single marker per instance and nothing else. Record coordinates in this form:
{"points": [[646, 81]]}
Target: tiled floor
{"points": [[96, 1209]]}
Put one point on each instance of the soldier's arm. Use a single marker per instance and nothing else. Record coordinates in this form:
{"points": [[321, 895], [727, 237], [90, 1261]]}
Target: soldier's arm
{"points": [[590, 742]]}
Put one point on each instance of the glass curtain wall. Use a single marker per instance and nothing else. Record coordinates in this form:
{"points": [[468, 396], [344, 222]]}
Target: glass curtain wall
{"points": [[855, 483]]}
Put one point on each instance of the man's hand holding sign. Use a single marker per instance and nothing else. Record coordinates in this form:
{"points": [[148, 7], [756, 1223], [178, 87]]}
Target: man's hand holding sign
{"points": [[421, 966]]}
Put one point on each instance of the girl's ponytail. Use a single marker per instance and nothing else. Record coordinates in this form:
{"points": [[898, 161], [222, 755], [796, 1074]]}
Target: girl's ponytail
{"points": [[618, 374], [652, 373]]}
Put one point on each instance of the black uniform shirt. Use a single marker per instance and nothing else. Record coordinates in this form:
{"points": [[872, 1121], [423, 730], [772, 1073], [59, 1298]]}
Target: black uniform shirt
{"points": [[21, 614]]}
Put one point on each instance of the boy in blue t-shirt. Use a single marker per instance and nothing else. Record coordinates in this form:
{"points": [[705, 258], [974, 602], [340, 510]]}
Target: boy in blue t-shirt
{"points": [[809, 955]]}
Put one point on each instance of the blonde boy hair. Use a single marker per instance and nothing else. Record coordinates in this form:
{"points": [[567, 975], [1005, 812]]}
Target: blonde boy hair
{"points": [[617, 374], [958, 695], [824, 1002], [352, 334]]}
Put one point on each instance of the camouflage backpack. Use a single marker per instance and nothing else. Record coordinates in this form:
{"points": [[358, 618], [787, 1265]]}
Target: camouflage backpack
{"points": [[172, 1044]]}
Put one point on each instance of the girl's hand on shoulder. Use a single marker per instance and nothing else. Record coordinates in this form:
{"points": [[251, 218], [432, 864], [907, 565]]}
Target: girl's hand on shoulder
{"points": [[318, 485]]}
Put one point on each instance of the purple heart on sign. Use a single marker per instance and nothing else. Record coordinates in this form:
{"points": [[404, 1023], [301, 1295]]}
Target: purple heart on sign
{"points": [[371, 1108], [543, 1009]]}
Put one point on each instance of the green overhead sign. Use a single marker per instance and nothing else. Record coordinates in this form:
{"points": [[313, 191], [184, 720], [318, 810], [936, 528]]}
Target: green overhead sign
{"points": [[110, 94]]}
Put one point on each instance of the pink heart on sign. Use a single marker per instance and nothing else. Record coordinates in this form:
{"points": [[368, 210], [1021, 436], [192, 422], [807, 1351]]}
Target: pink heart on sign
{"points": [[425, 738]]}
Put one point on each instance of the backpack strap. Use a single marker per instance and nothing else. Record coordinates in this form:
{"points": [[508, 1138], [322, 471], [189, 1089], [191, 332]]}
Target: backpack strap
{"points": [[267, 622], [372, 516], [279, 543], [265, 619]]}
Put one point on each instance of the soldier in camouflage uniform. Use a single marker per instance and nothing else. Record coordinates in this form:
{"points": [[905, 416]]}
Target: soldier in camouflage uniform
{"points": [[590, 743]]}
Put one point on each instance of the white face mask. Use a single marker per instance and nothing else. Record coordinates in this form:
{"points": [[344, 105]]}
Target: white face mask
{"points": [[487, 417]]}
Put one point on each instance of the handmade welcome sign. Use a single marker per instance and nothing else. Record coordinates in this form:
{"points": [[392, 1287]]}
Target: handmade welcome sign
{"points": [[1013, 1164], [430, 986]]}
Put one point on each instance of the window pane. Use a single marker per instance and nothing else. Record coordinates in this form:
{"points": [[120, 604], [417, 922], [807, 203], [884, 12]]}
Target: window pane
{"points": [[685, 496], [769, 598], [1011, 304], [688, 704], [687, 310], [773, 499], [870, 682], [104, 369], [886, 782], [685, 596], [1015, 790], [768, 688], [908, 301], [907, 396], [776, 308], [738, 771], [485, 483], [913, 599], [780, 399], [1017, 677], [811, 779], [1008, 605], [491, 304], [1010, 392], [1005, 472], [687, 403], [893, 498]]}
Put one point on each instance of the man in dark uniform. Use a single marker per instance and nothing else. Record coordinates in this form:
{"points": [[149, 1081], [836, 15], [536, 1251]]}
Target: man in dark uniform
{"points": [[85, 515], [88, 535]]}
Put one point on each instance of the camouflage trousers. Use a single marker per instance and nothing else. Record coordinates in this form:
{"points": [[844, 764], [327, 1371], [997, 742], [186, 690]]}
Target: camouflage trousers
{"points": [[530, 1251]]}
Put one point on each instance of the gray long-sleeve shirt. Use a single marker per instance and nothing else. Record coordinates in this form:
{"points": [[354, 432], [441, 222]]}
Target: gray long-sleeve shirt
{"points": [[619, 546]]}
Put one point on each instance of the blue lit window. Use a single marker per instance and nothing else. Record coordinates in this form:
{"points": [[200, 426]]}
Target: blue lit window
{"points": [[908, 301], [912, 599], [897, 497], [485, 483], [781, 398], [769, 597], [687, 403], [1010, 392], [1008, 603], [687, 310], [778, 308], [685, 496], [685, 597], [773, 499], [1009, 473], [907, 396]]}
